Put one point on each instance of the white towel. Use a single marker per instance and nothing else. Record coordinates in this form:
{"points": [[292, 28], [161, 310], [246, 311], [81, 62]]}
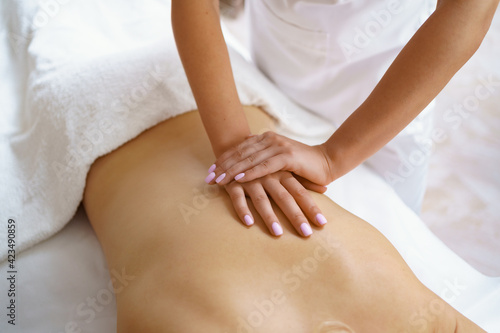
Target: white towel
{"points": [[98, 74]]}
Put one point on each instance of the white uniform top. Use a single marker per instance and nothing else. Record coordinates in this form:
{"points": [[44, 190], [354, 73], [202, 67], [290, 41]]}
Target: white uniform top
{"points": [[328, 55]]}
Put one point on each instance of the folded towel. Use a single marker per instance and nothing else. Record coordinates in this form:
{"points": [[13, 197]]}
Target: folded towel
{"points": [[98, 74]]}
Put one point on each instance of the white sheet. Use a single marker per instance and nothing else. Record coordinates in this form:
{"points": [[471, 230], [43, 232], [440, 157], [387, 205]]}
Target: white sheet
{"points": [[57, 276]]}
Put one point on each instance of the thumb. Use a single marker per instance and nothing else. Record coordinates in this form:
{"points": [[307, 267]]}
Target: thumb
{"points": [[310, 185]]}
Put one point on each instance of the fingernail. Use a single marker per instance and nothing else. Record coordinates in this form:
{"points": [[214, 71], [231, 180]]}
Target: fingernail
{"points": [[248, 220], [212, 168], [210, 177], [239, 176], [306, 229], [277, 230], [321, 219], [220, 178]]}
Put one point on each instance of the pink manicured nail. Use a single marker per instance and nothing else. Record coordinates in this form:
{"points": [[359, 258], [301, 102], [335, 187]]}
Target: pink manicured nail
{"points": [[220, 178], [239, 176], [321, 219], [248, 220], [278, 231], [212, 168], [210, 177], [306, 229]]}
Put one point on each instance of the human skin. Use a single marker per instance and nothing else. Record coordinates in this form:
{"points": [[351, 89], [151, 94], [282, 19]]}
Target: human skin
{"points": [[442, 45], [425, 65], [203, 271], [203, 52]]}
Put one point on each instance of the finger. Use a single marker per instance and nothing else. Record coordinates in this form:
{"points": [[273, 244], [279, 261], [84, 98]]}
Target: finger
{"points": [[248, 142], [310, 185], [304, 200], [237, 195], [289, 206], [247, 152], [237, 171], [263, 206], [249, 145], [268, 166]]}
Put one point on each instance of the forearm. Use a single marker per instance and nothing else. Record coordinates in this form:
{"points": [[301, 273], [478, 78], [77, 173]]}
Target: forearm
{"points": [[430, 59], [206, 62]]}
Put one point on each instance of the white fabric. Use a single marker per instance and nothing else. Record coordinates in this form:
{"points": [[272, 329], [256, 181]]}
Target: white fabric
{"points": [[329, 55], [404, 161], [59, 275], [99, 73]]}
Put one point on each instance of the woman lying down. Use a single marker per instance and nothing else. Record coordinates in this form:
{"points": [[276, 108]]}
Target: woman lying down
{"points": [[259, 267], [206, 272]]}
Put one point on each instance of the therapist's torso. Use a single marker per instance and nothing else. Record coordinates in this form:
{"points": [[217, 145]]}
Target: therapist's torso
{"points": [[328, 55]]}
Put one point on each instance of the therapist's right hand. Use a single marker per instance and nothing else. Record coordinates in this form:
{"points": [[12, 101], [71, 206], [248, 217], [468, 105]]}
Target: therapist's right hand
{"points": [[263, 154], [288, 192]]}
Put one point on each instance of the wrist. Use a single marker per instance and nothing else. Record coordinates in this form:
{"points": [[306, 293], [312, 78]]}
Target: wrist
{"points": [[226, 127], [333, 160], [229, 141]]}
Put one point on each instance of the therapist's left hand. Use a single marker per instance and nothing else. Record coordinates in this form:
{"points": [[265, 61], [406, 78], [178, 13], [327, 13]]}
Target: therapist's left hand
{"points": [[264, 154]]}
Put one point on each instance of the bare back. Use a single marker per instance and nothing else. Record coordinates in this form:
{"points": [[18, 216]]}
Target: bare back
{"points": [[196, 267]]}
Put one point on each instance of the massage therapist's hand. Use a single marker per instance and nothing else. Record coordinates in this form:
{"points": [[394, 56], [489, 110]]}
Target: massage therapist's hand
{"points": [[287, 192], [261, 155]]}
